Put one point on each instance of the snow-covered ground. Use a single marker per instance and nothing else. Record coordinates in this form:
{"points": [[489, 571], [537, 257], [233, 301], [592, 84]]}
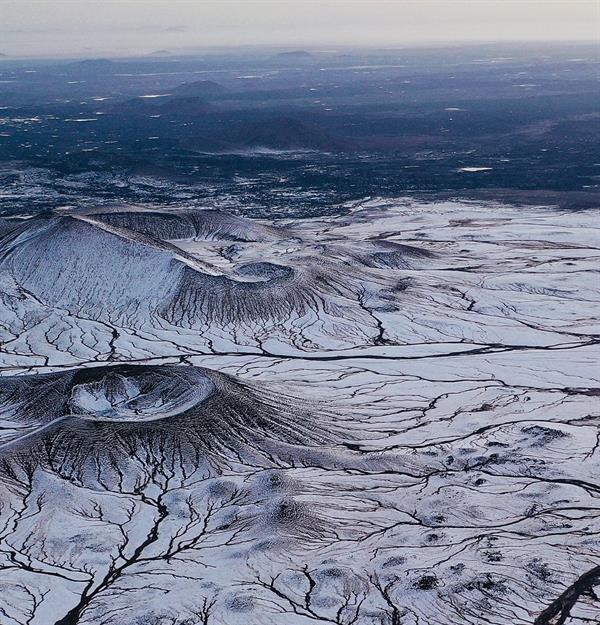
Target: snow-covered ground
{"points": [[389, 417]]}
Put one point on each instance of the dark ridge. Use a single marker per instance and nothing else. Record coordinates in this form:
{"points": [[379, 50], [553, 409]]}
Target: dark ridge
{"points": [[9, 225], [276, 133], [294, 54], [183, 106], [392, 255], [199, 89], [204, 224], [407, 250], [93, 64]]}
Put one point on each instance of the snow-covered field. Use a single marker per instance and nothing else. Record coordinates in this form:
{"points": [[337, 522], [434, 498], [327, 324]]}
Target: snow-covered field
{"points": [[389, 417]]}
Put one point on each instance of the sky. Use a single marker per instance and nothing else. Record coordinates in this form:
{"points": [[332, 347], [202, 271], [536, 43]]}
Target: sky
{"points": [[119, 27]]}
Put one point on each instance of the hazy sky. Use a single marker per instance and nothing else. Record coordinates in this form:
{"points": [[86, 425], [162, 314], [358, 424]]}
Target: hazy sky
{"points": [[86, 27]]}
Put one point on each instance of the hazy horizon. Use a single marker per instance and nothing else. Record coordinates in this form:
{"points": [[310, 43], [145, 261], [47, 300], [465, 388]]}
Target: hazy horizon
{"points": [[53, 28]]}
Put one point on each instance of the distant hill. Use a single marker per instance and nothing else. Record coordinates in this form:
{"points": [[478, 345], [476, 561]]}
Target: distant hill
{"points": [[85, 69], [278, 133], [162, 106], [96, 65], [199, 89], [185, 106], [294, 54]]}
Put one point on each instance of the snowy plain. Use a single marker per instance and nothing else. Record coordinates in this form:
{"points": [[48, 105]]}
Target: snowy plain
{"points": [[386, 417]]}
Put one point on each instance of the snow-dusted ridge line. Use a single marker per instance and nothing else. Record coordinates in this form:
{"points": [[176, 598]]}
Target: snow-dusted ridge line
{"points": [[123, 282], [194, 263], [207, 224]]}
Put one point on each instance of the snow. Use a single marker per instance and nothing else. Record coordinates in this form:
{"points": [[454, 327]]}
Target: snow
{"points": [[359, 437]]}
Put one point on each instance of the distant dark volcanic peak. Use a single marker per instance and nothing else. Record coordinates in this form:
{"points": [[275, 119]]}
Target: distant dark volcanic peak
{"points": [[164, 105], [94, 63], [294, 54], [281, 133], [199, 88], [91, 66], [288, 132]]}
